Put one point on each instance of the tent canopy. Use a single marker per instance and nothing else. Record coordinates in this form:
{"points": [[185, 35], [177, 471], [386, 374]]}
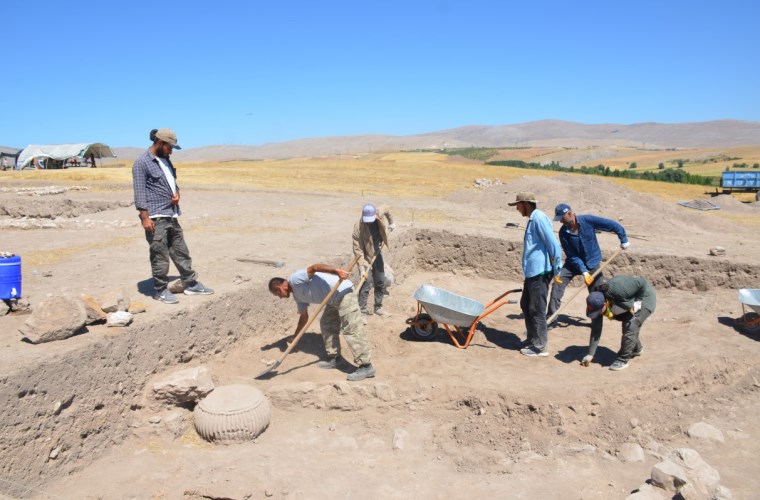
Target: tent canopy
{"points": [[63, 152]]}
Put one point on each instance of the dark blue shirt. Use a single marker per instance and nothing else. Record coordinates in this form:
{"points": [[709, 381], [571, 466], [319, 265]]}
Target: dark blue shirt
{"points": [[582, 249]]}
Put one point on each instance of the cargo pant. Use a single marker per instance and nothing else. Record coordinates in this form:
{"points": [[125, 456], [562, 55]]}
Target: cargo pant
{"points": [[345, 319], [167, 242], [375, 279]]}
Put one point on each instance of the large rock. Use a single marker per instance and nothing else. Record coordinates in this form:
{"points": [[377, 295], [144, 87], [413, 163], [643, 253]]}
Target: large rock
{"points": [[114, 300], [703, 430], [95, 313], [57, 318], [631, 452], [184, 386], [669, 476]]}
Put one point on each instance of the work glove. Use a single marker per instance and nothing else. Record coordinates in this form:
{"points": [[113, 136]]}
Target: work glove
{"points": [[392, 226], [558, 280], [625, 245], [588, 278], [587, 360]]}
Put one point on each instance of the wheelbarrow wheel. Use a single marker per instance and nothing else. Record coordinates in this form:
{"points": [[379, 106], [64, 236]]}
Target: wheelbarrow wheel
{"points": [[424, 328]]}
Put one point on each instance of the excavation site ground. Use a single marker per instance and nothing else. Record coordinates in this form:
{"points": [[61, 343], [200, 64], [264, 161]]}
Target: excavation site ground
{"points": [[79, 419]]}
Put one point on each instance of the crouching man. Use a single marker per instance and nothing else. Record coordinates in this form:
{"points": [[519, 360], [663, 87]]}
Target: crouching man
{"points": [[629, 299], [341, 314]]}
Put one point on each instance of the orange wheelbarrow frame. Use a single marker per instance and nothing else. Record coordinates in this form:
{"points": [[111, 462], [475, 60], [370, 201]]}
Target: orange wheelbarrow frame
{"points": [[424, 325]]}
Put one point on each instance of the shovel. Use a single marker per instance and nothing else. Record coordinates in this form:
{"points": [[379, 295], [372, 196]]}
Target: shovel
{"points": [[369, 269], [593, 276], [308, 324]]}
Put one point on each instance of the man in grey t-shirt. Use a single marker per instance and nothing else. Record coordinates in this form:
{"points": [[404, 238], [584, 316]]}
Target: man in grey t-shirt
{"points": [[341, 313]]}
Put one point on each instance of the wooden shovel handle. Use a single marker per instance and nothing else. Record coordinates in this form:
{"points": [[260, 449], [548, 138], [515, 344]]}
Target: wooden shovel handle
{"points": [[311, 320], [593, 276]]}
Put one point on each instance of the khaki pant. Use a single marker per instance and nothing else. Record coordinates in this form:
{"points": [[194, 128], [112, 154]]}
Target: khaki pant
{"points": [[345, 319]]}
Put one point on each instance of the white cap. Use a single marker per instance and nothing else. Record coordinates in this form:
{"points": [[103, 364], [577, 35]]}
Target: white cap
{"points": [[369, 213]]}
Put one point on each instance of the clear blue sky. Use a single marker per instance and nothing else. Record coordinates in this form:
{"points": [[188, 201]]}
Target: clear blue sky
{"points": [[254, 72]]}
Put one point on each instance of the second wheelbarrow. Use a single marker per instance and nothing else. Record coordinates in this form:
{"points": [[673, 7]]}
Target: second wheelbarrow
{"points": [[458, 315]]}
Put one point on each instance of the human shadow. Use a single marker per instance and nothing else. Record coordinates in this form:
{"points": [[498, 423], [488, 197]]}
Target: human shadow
{"points": [[145, 287], [574, 353], [309, 343]]}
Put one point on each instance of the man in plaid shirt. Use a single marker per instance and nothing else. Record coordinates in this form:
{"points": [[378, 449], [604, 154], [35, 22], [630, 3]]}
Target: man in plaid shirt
{"points": [[157, 201]]}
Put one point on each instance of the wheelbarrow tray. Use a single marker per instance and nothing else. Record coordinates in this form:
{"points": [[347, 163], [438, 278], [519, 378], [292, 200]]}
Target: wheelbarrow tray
{"points": [[751, 298], [447, 307]]}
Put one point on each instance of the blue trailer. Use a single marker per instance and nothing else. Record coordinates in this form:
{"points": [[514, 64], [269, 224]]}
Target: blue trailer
{"points": [[740, 181]]}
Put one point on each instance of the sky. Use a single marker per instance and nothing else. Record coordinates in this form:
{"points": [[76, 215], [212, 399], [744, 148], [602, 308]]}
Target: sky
{"points": [[237, 72]]}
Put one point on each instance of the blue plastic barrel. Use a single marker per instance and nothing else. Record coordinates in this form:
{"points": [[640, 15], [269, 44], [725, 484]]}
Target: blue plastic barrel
{"points": [[10, 277]]}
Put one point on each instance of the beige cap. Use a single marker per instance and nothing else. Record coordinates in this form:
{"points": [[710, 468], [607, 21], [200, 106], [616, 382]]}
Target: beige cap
{"points": [[168, 136], [524, 196]]}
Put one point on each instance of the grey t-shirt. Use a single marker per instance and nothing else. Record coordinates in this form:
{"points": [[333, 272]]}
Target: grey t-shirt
{"points": [[313, 291]]}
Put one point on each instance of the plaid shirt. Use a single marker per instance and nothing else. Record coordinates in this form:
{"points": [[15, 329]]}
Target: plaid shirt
{"points": [[152, 190]]}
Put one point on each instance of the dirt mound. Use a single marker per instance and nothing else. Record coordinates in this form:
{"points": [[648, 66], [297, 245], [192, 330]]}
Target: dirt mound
{"points": [[53, 208]]}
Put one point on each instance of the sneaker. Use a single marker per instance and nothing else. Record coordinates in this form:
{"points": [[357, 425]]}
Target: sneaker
{"points": [[365, 312], [380, 312], [637, 353], [166, 297], [364, 371], [329, 364], [198, 289], [618, 365], [532, 351]]}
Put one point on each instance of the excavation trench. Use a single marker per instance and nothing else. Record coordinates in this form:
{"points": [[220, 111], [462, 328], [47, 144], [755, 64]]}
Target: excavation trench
{"points": [[62, 412]]}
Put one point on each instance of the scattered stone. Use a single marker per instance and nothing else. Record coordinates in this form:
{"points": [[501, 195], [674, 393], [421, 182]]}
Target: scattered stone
{"points": [[136, 307], [95, 313], [57, 318], [184, 386], [54, 453], [268, 493], [176, 286], [722, 493], [669, 476], [631, 452], [702, 473], [114, 300], [332, 426], [119, 318], [47, 274], [384, 392], [155, 419], [399, 437], [175, 423], [634, 422], [703, 430], [4, 308], [717, 251]]}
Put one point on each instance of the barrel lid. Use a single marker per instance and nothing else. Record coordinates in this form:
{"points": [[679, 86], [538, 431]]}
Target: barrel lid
{"points": [[229, 399]]}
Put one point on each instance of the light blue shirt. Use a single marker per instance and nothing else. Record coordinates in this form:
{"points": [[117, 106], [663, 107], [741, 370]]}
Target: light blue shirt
{"points": [[541, 251], [313, 291]]}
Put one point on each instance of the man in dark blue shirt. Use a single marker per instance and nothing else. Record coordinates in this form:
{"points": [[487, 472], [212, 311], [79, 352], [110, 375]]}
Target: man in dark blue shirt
{"points": [[157, 200], [577, 236]]}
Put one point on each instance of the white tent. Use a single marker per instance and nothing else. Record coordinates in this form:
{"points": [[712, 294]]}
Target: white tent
{"points": [[62, 152]]}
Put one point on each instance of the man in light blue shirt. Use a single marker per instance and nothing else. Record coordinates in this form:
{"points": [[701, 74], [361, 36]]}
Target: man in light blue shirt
{"points": [[541, 261]]}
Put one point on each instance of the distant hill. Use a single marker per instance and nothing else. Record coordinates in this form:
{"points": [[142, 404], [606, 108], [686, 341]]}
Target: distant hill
{"points": [[719, 133]]}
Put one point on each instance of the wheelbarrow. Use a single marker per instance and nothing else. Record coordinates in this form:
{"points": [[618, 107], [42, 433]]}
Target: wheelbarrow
{"points": [[458, 315], [750, 321]]}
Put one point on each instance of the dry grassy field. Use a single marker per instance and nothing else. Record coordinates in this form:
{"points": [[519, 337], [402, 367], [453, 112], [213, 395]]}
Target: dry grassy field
{"points": [[404, 174]]}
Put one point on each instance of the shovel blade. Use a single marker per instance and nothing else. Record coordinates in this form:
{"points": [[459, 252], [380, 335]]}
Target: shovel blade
{"points": [[269, 369]]}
